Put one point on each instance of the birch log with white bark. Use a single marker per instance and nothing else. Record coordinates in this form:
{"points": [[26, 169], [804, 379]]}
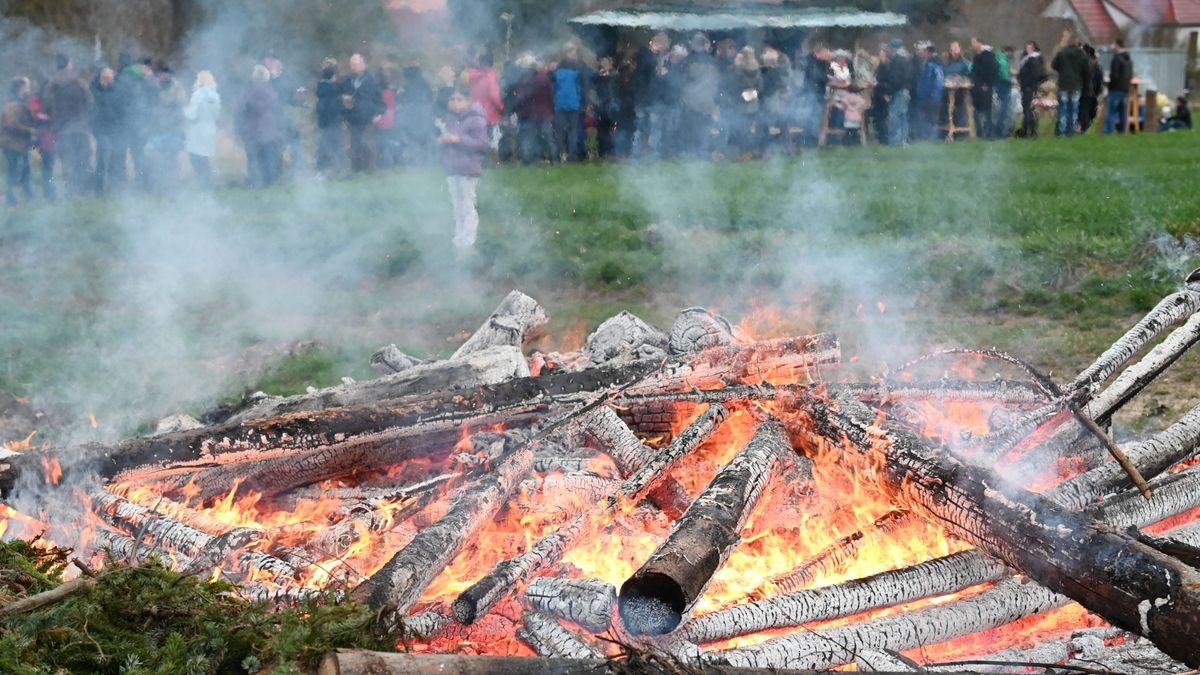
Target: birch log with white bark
{"points": [[551, 639], [585, 602]]}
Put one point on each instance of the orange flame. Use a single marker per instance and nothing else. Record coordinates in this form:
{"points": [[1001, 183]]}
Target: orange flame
{"points": [[22, 445]]}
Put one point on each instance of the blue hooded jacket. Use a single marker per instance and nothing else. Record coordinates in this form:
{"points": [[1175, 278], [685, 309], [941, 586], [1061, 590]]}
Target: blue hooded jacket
{"points": [[933, 80], [568, 89]]}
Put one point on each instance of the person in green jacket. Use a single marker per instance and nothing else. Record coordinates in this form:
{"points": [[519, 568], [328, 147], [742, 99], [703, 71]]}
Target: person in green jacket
{"points": [[1072, 66]]}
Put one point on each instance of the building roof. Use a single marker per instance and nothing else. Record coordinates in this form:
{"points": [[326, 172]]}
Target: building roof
{"points": [[728, 16], [1161, 12], [1098, 20]]}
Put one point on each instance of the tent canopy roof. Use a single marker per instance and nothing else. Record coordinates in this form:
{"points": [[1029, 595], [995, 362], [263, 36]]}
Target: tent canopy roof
{"points": [[716, 18]]}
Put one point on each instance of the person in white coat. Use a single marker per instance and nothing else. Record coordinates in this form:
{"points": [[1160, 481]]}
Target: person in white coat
{"points": [[201, 115]]}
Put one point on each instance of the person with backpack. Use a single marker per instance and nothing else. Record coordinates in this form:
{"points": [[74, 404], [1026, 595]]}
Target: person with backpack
{"points": [[1030, 76]]}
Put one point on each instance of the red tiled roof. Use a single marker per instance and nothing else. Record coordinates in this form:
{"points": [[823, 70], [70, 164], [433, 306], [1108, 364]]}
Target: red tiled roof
{"points": [[1161, 12], [1096, 20]]}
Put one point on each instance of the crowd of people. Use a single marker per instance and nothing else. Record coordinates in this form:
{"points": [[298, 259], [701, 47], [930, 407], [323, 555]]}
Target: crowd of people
{"points": [[127, 125]]}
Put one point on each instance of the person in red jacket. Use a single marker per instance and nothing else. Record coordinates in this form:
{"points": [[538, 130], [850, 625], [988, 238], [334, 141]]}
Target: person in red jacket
{"points": [[485, 91]]}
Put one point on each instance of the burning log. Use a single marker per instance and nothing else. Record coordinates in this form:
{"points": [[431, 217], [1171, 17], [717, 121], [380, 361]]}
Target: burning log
{"points": [[625, 338], [1008, 392], [132, 552], [630, 454], [1087, 644], [1171, 310], [586, 488], [587, 603], [548, 638], [516, 319], [656, 598], [838, 553], [1177, 443], [442, 412], [794, 359], [490, 366], [399, 584], [696, 329], [948, 574], [569, 465], [884, 661], [205, 550], [637, 486], [1127, 582], [1011, 599]]}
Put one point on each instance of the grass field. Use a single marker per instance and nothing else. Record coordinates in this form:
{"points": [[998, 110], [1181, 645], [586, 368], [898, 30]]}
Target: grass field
{"points": [[139, 307]]}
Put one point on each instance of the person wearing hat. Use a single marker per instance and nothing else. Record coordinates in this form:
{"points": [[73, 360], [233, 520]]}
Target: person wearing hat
{"points": [[985, 71]]}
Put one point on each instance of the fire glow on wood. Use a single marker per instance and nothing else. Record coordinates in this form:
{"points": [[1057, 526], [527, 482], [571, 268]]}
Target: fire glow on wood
{"points": [[709, 494]]}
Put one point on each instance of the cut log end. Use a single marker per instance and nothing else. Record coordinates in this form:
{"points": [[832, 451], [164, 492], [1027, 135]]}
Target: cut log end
{"points": [[651, 604]]}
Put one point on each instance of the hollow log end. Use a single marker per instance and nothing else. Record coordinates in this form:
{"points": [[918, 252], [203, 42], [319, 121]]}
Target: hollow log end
{"points": [[651, 604], [464, 609]]}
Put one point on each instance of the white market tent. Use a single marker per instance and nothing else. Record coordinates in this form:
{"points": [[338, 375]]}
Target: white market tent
{"points": [[721, 19]]}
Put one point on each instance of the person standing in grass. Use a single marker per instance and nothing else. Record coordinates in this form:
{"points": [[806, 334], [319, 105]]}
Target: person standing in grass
{"points": [[464, 142], [1120, 79], [201, 115], [1072, 66], [259, 125], [16, 138], [1030, 76], [930, 86]]}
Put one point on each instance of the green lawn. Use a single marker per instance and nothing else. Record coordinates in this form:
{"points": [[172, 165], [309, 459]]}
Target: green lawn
{"points": [[136, 308]]}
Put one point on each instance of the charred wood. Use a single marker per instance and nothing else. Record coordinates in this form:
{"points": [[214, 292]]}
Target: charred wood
{"points": [[1011, 599], [657, 597], [625, 338], [1107, 571], [638, 485], [1177, 443], [442, 412], [587, 603], [1141, 374], [390, 360], [477, 368], [948, 574], [399, 584], [516, 320], [357, 662], [830, 559], [549, 638], [1171, 310], [697, 329]]}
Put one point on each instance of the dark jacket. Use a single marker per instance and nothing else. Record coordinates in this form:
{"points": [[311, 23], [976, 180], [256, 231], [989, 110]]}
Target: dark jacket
{"points": [[1072, 66], [329, 104], [259, 116], [16, 127], [1032, 72], [535, 97], [108, 112], [816, 76], [1183, 115], [139, 95], [1121, 75], [365, 97], [985, 70], [647, 76], [1093, 84], [67, 101], [465, 158]]}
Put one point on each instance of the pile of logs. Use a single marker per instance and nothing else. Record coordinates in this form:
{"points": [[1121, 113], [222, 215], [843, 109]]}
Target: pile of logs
{"points": [[426, 456]]}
